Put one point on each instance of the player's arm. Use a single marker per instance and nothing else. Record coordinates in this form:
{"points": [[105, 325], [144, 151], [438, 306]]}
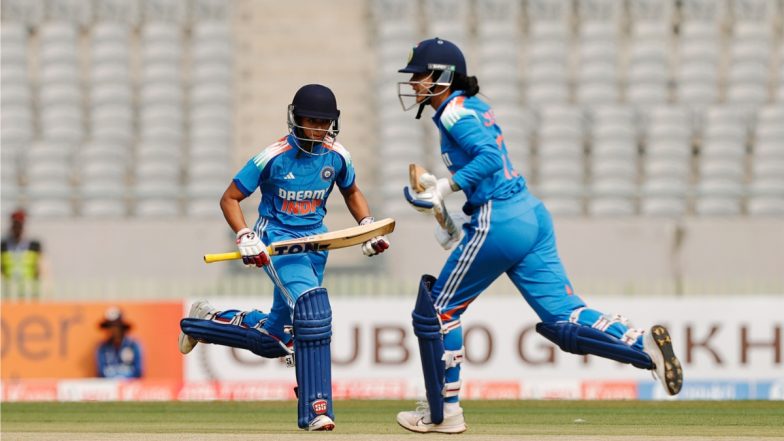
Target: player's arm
{"points": [[358, 206], [137, 361], [356, 202], [100, 362], [470, 134], [252, 249], [230, 205]]}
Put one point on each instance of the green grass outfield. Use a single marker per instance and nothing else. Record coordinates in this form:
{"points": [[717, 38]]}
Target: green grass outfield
{"points": [[356, 419]]}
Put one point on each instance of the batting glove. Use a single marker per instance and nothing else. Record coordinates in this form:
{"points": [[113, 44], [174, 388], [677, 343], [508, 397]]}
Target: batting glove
{"points": [[252, 249], [435, 191], [375, 245], [443, 237]]}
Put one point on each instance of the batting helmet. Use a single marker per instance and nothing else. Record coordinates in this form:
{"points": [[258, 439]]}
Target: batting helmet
{"points": [[442, 59], [315, 101], [435, 54], [318, 102]]}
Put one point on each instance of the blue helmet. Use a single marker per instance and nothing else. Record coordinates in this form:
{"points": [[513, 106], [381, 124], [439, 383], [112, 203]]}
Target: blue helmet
{"points": [[315, 101], [442, 60], [318, 102], [435, 54]]}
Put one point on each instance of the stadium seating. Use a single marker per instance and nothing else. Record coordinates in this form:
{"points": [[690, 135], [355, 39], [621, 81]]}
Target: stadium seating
{"points": [[602, 102], [112, 81]]}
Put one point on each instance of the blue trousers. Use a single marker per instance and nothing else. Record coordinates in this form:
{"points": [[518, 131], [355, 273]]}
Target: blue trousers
{"points": [[514, 236], [292, 274]]}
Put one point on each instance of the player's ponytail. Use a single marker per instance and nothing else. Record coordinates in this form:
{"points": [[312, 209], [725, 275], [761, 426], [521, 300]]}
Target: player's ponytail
{"points": [[465, 83]]}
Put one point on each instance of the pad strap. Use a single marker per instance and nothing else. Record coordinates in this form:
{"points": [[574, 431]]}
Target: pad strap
{"points": [[453, 358], [452, 389]]}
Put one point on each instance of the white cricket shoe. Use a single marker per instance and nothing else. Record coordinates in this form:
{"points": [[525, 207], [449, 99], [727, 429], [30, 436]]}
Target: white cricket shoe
{"points": [[321, 422], [419, 420], [667, 369], [200, 309]]}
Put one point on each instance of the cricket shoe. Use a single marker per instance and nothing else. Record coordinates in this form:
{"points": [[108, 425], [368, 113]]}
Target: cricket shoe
{"points": [[667, 369], [322, 423], [200, 310], [419, 420]]}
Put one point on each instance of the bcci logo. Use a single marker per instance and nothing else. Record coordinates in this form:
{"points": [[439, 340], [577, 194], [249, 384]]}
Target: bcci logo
{"points": [[327, 173], [319, 407]]}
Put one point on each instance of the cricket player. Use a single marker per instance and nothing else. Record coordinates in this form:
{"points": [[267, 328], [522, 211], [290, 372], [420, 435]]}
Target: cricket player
{"points": [[510, 231], [295, 176]]}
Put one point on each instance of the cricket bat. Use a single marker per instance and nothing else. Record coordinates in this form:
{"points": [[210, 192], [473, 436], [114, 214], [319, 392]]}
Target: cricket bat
{"points": [[319, 242], [441, 215]]}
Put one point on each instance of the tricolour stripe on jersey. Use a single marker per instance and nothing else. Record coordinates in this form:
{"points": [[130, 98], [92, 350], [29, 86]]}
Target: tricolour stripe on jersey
{"points": [[270, 152], [454, 111], [466, 257]]}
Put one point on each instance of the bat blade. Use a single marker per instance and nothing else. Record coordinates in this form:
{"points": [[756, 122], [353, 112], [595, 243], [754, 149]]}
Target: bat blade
{"points": [[319, 242]]}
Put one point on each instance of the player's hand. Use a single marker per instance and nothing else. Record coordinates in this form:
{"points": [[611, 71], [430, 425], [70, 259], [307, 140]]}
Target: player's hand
{"points": [[435, 191], [421, 202], [375, 245], [252, 249], [446, 240]]}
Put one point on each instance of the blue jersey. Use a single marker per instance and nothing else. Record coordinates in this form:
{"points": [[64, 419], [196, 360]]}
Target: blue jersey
{"points": [[473, 149], [295, 185], [122, 362]]}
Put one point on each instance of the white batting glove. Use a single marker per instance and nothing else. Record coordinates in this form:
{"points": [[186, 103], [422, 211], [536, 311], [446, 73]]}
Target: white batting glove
{"points": [[252, 249], [435, 191], [442, 185], [443, 237], [375, 245]]}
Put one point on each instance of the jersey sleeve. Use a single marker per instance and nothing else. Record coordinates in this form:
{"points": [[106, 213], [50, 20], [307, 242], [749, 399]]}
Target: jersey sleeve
{"points": [[248, 178], [347, 175], [137, 361], [468, 131]]}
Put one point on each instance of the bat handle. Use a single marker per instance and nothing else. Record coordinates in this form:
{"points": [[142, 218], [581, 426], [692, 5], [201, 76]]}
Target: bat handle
{"points": [[445, 220], [222, 257]]}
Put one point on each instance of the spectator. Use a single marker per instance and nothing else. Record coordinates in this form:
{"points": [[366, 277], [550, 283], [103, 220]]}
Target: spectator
{"points": [[119, 356], [20, 261]]}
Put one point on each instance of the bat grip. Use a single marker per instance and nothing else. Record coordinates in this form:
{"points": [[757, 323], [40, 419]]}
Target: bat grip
{"points": [[222, 257]]}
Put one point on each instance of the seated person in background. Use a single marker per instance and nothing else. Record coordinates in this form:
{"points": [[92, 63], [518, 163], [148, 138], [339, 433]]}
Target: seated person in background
{"points": [[119, 356], [20, 260]]}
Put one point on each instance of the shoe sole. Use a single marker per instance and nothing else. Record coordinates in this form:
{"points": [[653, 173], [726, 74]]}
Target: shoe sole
{"points": [[183, 336], [423, 429], [673, 371], [181, 341], [325, 428]]}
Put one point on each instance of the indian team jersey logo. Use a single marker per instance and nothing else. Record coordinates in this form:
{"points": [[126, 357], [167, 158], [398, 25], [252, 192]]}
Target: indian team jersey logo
{"points": [[319, 407], [327, 173]]}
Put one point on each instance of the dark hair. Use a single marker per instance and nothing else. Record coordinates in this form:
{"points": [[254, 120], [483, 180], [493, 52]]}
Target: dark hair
{"points": [[468, 84]]}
